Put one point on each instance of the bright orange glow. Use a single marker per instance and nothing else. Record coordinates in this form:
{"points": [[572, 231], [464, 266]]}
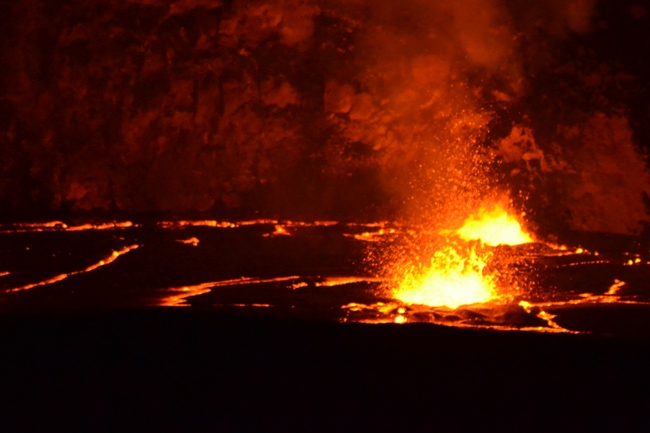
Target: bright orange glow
{"points": [[454, 279], [179, 295], [105, 226], [494, 227], [457, 272], [341, 281], [279, 230], [616, 287], [374, 236], [191, 241]]}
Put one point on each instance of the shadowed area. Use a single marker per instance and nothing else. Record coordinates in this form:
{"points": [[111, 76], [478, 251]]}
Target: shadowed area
{"points": [[179, 370]]}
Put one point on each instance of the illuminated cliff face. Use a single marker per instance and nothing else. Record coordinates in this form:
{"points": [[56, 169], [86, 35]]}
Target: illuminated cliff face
{"points": [[319, 108]]}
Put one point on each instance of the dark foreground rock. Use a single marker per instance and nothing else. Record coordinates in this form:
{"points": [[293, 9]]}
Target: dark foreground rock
{"points": [[183, 370]]}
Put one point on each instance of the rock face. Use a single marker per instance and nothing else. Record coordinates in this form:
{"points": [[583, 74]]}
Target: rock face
{"points": [[312, 108], [149, 106]]}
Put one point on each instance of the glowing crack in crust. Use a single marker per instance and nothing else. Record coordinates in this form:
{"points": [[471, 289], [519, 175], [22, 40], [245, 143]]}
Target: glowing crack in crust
{"points": [[237, 224], [191, 241], [341, 281], [61, 226], [179, 295], [108, 260], [545, 316], [373, 236], [469, 259], [395, 312]]}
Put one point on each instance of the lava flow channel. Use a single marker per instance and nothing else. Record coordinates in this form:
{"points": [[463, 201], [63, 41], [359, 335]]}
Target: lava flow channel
{"points": [[456, 274], [108, 260]]}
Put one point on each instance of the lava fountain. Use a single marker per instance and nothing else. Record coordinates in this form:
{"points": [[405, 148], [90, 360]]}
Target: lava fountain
{"points": [[454, 278], [494, 226], [457, 273]]}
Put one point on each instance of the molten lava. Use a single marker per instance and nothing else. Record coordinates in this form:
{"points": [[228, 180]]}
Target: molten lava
{"points": [[457, 274], [453, 279], [494, 227]]}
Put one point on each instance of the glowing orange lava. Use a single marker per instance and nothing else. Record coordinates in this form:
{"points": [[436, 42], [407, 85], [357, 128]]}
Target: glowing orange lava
{"points": [[456, 274], [494, 227], [191, 241], [452, 280], [279, 230], [107, 261]]}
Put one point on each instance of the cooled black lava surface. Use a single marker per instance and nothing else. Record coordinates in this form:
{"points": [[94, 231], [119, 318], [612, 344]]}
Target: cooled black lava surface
{"points": [[88, 353]]}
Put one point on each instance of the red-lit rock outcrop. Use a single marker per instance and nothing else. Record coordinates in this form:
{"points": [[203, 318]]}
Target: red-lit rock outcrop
{"points": [[318, 108]]}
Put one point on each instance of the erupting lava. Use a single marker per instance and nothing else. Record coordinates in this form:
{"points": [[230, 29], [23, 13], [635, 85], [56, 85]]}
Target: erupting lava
{"points": [[456, 274], [452, 280], [494, 227]]}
